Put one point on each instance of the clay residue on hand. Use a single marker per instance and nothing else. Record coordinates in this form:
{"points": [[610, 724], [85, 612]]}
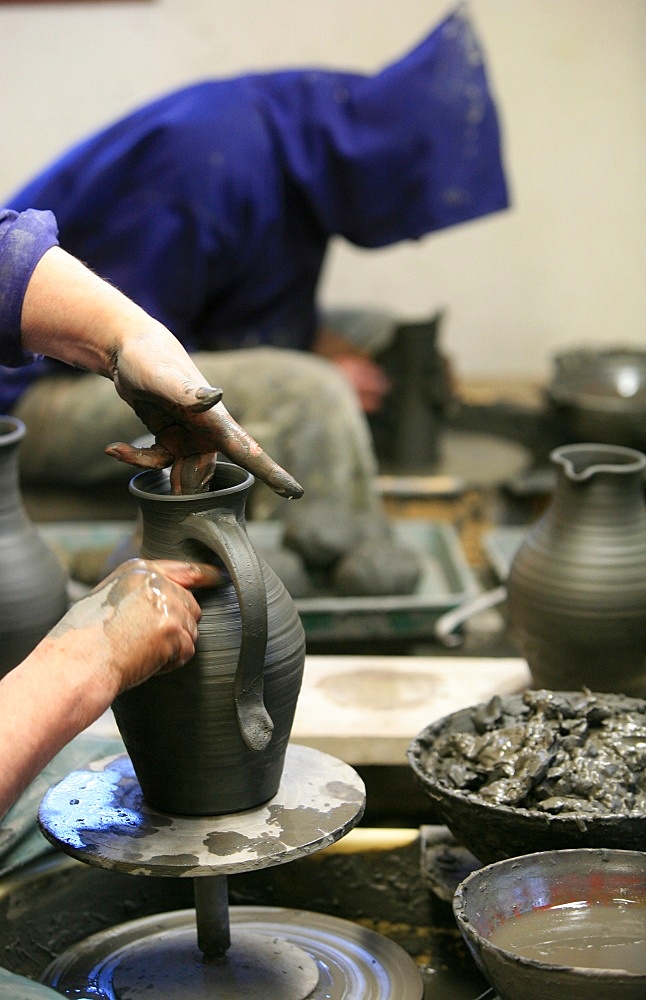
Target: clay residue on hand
{"points": [[241, 448], [552, 751], [190, 448]]}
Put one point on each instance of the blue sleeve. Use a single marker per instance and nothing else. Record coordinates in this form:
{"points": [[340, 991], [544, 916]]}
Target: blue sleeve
{"points": [[24, 238]]}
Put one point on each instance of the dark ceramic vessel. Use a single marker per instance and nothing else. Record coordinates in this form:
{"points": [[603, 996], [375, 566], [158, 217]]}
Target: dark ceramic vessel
{"points": [[577, 585], [33, 583], [211, 737], [600, 395], [494, 831], [493, 896]]}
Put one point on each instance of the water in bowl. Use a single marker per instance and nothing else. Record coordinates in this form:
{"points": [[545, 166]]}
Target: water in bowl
{"points": [[608, 935]]}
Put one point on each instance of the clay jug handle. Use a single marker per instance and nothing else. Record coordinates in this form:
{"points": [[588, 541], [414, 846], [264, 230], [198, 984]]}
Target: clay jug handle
{"points": [[229, 541]]}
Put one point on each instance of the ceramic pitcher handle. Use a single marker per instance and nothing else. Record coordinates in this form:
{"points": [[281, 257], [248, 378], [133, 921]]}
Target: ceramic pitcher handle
{"points": [[230, 542]]}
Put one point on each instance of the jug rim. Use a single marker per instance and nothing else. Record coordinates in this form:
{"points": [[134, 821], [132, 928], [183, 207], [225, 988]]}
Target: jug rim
{"points": [[163, 476], [12, 429]]}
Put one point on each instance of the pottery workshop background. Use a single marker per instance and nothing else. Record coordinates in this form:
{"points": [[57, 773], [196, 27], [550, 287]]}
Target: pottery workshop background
{"points": [[564, 267]]}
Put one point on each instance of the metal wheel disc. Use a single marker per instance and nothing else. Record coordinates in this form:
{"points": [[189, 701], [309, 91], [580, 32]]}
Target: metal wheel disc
{"points": [[275, 954]]}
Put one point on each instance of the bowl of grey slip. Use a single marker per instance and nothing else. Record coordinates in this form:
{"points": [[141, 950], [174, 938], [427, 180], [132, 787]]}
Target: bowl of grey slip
{"points": [[569, 923], [540, 771]]}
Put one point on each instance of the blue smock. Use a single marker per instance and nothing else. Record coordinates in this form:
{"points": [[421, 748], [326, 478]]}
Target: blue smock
{"points": [[213, 206]]}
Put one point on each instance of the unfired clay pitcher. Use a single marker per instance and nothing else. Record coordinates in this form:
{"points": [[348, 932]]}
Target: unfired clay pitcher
{"points": [[211, 736], [577, 585], [33, 583]]}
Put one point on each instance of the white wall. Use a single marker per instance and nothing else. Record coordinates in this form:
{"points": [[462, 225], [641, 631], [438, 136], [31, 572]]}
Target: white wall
{"points": [[565, 266]]}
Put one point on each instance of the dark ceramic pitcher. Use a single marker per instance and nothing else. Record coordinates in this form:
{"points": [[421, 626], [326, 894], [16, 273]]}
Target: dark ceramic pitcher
{"points": [[211, 737], [577, 585], [33, 583]]}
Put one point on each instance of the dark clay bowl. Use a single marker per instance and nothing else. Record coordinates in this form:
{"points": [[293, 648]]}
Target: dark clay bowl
{"points": [[600, 394], [493, 831], [610, 890]]}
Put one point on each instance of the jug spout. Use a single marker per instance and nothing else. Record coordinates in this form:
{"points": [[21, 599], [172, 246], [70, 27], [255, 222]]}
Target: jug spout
{"points": [[582, 461]]}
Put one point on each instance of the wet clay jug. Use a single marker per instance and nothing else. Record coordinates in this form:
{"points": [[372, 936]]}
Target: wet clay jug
{"points": [[211, 737], [33, 583], [577, 584]]}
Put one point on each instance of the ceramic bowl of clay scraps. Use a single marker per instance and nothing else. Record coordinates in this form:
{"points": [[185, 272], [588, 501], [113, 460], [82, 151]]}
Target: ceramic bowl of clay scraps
{"points": [[541, 771], [559, 923]]}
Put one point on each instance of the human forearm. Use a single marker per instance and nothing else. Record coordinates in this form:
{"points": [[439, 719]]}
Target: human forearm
{"points": [[141, 620], [44, 702], [71, 314]]}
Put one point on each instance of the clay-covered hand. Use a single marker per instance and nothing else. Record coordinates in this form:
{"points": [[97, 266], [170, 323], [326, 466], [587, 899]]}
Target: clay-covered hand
{"points": [[366, 377], [189, 422], [369, 381], [70, 314], [140, 620]]}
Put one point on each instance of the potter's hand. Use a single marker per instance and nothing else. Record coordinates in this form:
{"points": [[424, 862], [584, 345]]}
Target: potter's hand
{"points": [[366, 377], [142, 619], [368, 380], [189, 422], [139, 621], [70, 314]]}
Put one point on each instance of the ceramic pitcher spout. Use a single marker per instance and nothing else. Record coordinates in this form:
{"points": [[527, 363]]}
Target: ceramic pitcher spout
{"points": [[581, 462]]}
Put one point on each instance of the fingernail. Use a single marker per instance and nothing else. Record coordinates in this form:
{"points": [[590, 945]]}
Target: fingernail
{"points": [[285, 486], [206, 397]]}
